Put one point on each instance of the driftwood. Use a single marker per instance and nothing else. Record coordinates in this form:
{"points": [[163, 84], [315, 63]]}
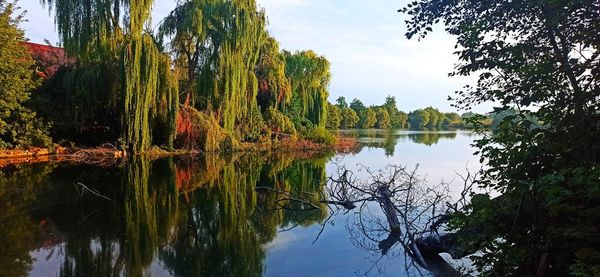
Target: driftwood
{"points": [[384, 199]]}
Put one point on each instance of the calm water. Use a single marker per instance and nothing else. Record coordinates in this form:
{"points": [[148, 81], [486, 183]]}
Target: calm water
{"points": [[204, 216]]}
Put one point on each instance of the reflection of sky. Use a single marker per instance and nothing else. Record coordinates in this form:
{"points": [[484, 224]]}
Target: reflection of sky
{"points": [[334, 254], [47, 260], [438, 162]]}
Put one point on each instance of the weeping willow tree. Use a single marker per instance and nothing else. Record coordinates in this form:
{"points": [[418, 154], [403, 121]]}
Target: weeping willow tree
{"points": [[218, 42], [187, 27], [227, 84], [309, 75], [166, 104], [274, 90], [111, 32]]}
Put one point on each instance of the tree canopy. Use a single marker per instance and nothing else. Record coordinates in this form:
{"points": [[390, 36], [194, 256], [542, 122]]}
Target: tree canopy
{"points": [[19, 126], [125, 84], [539, 58]]}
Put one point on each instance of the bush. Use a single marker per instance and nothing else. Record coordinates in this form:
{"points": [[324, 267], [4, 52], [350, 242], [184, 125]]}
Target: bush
{"points": [[279, 122], [320, 135], [200, 131], [250, 129]]}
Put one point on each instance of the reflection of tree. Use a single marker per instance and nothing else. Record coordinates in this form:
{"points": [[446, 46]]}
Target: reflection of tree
{"points": [[18, 232], [389, 143], [387, 139], [121, 235], [431, 138], [199, 216], [214, 235], [301, 179], [227, 221], [210, 215]]}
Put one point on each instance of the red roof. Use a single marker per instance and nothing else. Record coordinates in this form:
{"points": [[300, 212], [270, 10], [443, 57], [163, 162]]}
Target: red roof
{"points": [[48, 58]]}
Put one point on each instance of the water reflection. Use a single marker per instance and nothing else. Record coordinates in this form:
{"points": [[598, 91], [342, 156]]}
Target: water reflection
{"points": [[179, 217], [388, 139], [205, 216]]}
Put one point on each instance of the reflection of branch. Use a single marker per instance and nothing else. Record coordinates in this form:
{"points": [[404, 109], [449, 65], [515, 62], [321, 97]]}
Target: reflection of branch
{"points": [[323, 227], [413, 212], [299, 222], [84, 188], [290, 197]]}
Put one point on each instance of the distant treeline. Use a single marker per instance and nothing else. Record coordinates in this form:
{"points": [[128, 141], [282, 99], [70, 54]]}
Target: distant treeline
{"points": [[342, 115]]}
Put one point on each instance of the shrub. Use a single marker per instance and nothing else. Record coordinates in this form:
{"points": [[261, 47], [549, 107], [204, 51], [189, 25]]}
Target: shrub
{"points": [[279, 122], [200, 131], [251, 128], [320, 135]]}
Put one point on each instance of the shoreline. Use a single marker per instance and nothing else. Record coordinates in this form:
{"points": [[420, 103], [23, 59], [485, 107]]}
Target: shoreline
{"points": [[108, 154]]}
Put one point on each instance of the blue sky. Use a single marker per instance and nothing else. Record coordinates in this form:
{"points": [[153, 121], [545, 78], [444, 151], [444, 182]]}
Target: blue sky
{"points": [[363, 40]]}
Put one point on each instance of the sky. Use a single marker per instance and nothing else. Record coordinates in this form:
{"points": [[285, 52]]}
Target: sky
{"points": [[364, 41]]}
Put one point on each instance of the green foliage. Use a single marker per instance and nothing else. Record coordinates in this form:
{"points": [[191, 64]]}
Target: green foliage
{"points": [[334, 117], [472, 120], [349, 118], [397, 118], [310, 76], [400, 120], [422, 118], [383, 119], [200, 131], [274, 87], [435, 117], [187, 26], [537, 57], [94, 33], [225, 65], [279, 122], [452, 120], [357, 106], [80, 98], [429, 117], [166, 104], [368, 118], [253, 127], [140, 82], [418, 119], [19, 126], [227, 84], [320, 135], [341, 102]]}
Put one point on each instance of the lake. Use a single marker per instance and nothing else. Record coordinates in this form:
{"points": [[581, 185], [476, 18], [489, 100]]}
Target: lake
{"points": [[216, 215]]}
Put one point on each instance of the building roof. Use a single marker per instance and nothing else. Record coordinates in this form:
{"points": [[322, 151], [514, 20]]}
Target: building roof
{"points": [[49, 59]]}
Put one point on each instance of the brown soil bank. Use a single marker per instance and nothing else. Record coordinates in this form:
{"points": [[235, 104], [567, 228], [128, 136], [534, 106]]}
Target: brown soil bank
{"points": [[108, 154]]}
